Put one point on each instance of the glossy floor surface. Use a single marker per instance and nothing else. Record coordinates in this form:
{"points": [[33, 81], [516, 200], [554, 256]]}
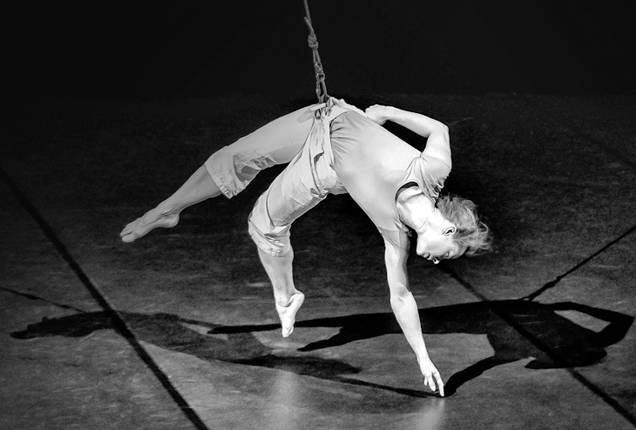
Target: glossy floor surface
{"points": [[178, 330]]}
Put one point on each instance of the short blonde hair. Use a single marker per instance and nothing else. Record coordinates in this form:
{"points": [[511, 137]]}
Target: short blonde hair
{"points": [[472, 234]]}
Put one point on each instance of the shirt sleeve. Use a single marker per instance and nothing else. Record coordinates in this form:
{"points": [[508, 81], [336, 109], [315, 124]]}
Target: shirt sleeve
{"points": [[429, 173]]}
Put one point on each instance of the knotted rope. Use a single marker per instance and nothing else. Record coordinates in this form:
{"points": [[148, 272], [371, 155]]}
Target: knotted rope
{"points": [[312, 41]]}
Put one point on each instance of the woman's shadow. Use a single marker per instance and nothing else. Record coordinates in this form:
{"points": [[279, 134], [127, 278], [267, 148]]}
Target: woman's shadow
{"points": [[552, 340]]}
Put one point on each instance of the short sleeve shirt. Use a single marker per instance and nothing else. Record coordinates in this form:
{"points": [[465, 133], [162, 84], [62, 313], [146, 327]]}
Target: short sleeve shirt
{"points": [[373, 164]]}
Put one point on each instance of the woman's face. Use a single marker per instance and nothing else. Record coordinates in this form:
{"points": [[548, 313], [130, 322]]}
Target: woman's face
{"points": [[435, 234], [434, 245]]}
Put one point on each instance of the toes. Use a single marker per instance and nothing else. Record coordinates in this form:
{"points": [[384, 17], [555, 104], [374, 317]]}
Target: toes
{"points": [[287, 314], [130, 237], [129, 227]]}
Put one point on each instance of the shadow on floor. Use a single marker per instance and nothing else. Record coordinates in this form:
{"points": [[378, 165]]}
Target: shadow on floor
{"points": [[568, 343], [563, 342]]}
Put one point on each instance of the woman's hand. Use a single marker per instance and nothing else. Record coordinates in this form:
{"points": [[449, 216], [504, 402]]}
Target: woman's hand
{"points": [[378, 113], [431, 375]]}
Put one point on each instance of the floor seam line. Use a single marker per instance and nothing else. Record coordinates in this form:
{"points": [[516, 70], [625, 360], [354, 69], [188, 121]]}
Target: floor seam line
{"points": [[119, 324], [553, 283], [32, 296]]}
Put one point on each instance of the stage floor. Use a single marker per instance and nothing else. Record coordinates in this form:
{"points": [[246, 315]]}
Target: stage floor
{"points": [[178, 330]]}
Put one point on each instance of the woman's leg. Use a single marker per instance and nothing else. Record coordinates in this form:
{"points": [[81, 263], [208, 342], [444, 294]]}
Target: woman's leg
{"points": [[287, 298], [197, 188], [229, 170], [293, 193]]}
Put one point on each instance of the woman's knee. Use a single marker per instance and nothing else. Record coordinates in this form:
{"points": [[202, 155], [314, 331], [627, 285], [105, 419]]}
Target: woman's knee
{"points": [[232, 169], [271, 239]]}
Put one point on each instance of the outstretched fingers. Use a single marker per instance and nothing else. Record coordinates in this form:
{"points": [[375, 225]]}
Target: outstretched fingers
{"points": [[432, 377], [440, 383], [434, 382]]}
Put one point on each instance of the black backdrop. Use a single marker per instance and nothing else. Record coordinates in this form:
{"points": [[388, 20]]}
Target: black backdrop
{"points": [[203, 49]]}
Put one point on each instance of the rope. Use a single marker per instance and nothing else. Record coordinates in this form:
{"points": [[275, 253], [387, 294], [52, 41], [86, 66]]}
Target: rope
{"points": [[312, 41]]}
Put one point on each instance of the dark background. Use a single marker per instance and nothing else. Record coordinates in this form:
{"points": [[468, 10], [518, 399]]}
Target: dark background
{"points": [[106, 50]]}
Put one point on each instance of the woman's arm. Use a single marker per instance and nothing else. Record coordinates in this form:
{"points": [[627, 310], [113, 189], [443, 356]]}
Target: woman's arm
{"points": [[436, 132], [406, 312]]}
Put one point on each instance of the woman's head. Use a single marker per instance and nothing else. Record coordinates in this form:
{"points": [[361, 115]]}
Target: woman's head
{"points": [[447, 229], [471, 234]]}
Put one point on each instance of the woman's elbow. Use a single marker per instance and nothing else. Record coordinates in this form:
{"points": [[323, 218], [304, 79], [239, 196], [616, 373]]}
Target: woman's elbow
{"points": [[399, 294]]}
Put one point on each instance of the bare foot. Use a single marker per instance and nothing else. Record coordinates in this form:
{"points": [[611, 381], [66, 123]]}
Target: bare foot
{"points": [[287, 313], [152, 219]]}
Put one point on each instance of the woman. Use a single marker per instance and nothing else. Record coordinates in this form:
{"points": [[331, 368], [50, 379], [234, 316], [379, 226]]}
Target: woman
{"points": [[336, 148]]}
